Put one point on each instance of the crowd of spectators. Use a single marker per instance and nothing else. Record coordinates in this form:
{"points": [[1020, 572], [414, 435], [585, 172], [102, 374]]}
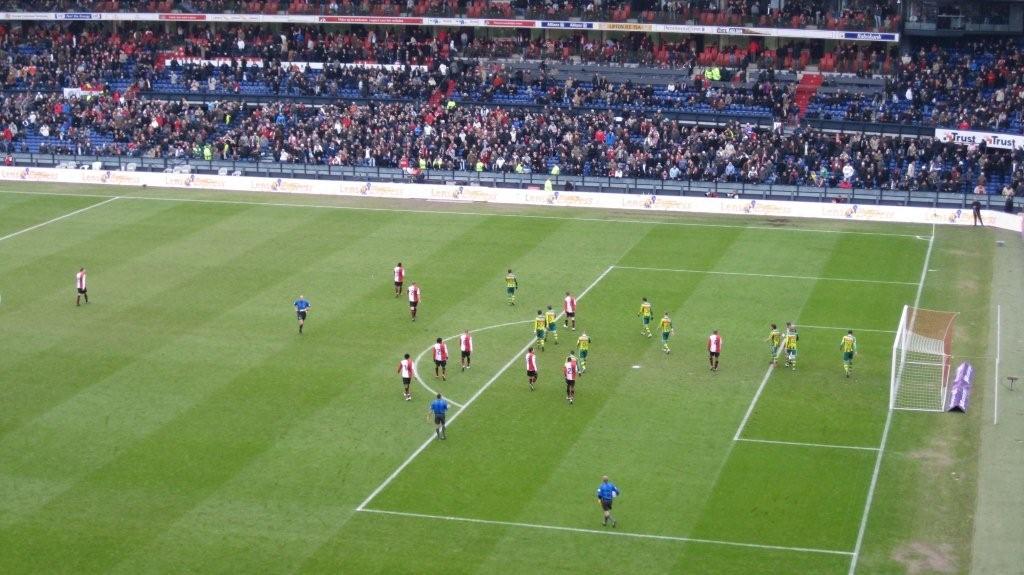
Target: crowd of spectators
{"points": [[246, 61], [420, 137], [845, 14], [977, 85]]}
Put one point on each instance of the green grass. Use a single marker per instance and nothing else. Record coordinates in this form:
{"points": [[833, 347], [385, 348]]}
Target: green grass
{"points": [[178, 423]]}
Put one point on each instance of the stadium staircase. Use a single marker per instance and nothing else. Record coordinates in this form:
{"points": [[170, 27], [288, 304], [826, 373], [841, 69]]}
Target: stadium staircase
{"points": [[805, 90]]}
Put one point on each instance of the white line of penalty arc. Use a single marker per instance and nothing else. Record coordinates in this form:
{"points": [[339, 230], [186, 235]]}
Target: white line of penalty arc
{"points": [[449, 338]]}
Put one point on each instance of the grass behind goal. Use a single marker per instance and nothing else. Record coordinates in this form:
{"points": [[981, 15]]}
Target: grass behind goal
{"points": [[179, 423]]}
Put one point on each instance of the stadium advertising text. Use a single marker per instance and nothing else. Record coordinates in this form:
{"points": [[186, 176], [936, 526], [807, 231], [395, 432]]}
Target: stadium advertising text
{"points": [[969, 138]]}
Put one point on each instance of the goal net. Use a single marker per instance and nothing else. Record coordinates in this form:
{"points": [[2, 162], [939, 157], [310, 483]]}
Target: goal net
{"points": [[921, 357]]}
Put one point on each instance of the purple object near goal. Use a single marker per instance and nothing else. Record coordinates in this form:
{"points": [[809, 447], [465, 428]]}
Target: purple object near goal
{"points": [[960, 391]]}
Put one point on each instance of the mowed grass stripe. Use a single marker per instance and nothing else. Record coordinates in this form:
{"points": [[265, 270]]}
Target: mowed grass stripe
{"points": [[270, 467], [777, 302], [797, 509], [546, 273], [284, 255], [540, 432], [438, 546], [20, 212], [833, 409], [361, 203], [133, 376], [504, 428], [127, 258]]}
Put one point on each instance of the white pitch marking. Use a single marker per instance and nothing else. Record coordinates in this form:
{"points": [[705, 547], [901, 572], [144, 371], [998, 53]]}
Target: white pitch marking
{"points": [[387, 481], [885, 430], [999, 345], [59, 218], [757, 395], [484, 214], [840, 328], [715, 272], [605, 532], [802, 444], [451, 337]]}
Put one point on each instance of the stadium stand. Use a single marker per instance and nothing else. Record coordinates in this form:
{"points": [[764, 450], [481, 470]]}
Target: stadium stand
{"points": [[629, 105], [873, 15]]}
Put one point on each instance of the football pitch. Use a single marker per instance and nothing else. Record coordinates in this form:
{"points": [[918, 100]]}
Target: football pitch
{"points": [[180, 423]]}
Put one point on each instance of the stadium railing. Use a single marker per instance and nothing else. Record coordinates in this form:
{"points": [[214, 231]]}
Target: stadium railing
{"points": [[920, 198]]}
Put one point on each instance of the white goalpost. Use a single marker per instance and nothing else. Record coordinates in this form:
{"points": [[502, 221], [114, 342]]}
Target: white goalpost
{"points": [[921, 357]]}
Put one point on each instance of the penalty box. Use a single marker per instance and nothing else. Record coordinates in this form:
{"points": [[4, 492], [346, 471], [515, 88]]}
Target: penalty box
{"points": [[495, 451]]}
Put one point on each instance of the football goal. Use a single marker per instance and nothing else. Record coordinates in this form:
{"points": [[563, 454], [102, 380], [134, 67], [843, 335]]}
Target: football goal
{"points": [[921, 357]]}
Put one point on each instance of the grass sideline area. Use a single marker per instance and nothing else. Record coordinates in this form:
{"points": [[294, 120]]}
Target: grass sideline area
{"points": [[179, 423]]}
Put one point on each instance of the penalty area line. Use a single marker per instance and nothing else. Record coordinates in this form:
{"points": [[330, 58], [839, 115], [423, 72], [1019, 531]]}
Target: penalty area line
{"points": [[605, 532], [59, 218], [775, 276], [802, 444], [423, 446]]}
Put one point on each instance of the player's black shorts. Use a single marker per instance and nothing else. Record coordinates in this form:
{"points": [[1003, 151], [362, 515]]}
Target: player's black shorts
{"points": [[398, 284], [606, 504], [406, 380], [531, 373], [438, 418], [713, 353], [466, 354], [570, 314], [83, 291], [570, 382], [413, 304], [440, 362], [300, 314]]}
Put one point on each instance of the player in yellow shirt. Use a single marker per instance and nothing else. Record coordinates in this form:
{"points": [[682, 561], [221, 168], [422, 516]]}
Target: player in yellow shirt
{"points": [[666, 332], [848, 345], [646, 315], [583, 348], [774, 340], [551, 318], [540, 326], [511, 286], [790, 342]]}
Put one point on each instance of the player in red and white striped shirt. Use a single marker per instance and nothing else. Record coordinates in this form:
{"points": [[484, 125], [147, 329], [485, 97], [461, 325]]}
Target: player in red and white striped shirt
{"points": [[570, 371], [714, 349], [569, 309], [441, 360], [414, 299], [407, 370], [466, 349], [80, 289], [399, 278], [531, 367]]}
